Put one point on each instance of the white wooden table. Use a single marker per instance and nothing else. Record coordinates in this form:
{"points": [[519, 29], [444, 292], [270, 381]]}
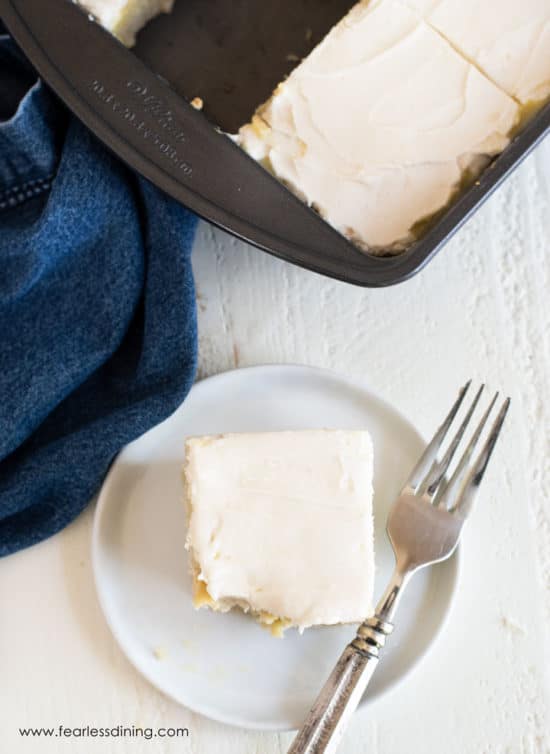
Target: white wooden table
{"points": [[481, 310]]}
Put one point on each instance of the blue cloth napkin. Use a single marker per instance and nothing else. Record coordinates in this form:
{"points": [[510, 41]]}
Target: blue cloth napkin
{"points": [[97, 308]]}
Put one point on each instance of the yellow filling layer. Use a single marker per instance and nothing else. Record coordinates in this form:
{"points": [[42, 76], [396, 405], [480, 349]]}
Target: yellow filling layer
{"points": [[202, 598]]}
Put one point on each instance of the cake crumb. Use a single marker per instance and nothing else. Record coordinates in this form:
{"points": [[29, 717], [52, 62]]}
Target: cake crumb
{"points": [[293, 58], [512, 626], [236, 355], [160, 653], [197, 103]]}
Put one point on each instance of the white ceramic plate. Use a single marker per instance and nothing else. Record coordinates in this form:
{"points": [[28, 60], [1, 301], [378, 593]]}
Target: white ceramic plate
{"points": [[226, 666]]}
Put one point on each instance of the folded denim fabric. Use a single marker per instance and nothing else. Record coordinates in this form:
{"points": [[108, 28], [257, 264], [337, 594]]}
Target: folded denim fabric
{"points": [[97, 308]]}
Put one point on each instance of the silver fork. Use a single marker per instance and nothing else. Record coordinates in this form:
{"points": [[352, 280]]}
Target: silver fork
{"points": [[424, 527]]}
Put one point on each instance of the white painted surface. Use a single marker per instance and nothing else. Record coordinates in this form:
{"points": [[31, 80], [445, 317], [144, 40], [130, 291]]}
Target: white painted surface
{"points": [[480, 309]]}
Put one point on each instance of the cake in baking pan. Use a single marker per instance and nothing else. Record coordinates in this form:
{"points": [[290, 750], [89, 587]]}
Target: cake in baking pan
{"points": [[399, 107], [124, 18]]}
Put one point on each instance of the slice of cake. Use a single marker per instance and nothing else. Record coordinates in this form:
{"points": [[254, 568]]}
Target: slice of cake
{"points": [[124, 18], [381, 124], [280, 525], [508, 40]]}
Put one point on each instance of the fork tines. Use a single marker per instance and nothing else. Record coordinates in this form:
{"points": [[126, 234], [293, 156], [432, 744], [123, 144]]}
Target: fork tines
{"points": [[458, 491]]}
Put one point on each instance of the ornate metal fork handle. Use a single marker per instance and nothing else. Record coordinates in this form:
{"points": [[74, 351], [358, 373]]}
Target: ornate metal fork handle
{"points": [[424, 527], [347, 683]]}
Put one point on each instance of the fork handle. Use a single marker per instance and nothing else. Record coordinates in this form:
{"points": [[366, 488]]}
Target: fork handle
{"points": [[342, 692]]}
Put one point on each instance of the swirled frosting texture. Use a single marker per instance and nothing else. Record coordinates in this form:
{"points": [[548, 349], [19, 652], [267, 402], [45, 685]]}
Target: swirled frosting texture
{"points": [[377, 128], [281, 524]]}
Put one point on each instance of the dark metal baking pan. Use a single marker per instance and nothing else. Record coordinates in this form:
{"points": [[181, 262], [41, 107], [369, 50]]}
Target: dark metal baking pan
{"points": [[231, 55]]}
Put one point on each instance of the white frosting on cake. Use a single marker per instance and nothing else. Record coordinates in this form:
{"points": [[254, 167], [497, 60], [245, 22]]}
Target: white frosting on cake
{"points": [[376, 128], [124, 18], [405, 99], [281, 523], [509, 40]]}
